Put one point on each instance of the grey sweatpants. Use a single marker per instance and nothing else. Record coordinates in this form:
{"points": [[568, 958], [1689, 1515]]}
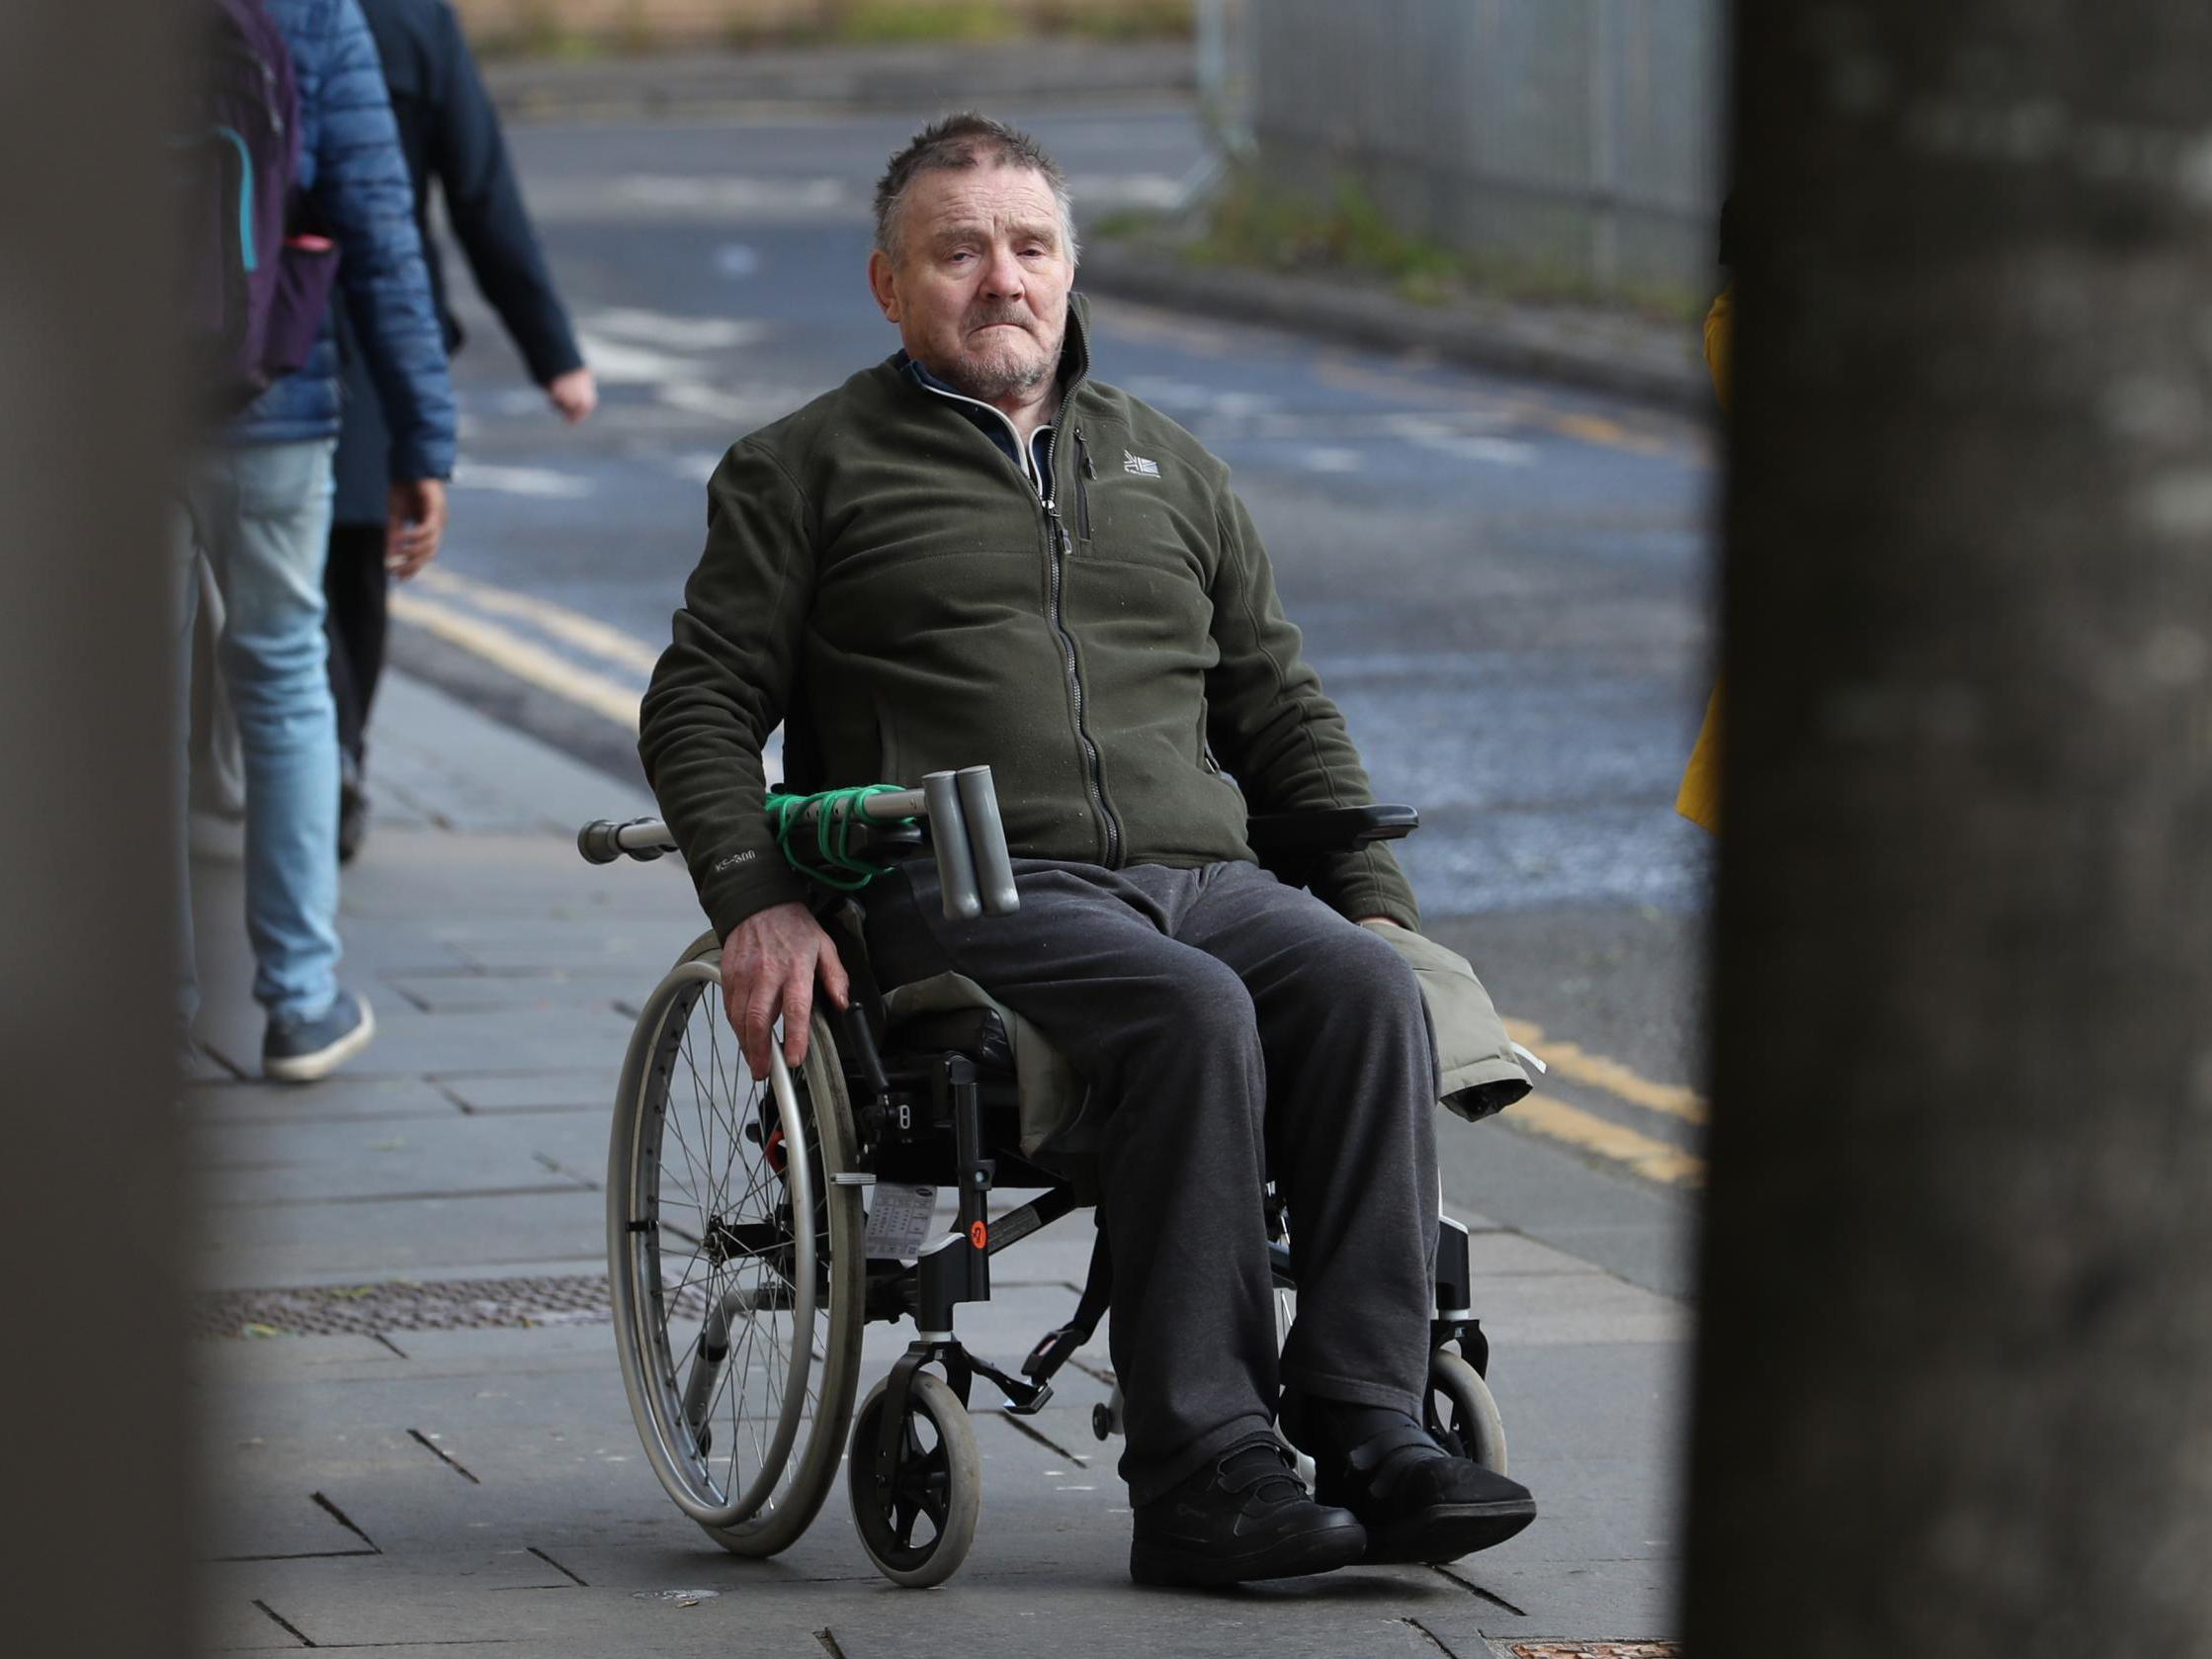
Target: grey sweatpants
{"points": [[1230, 1027]]}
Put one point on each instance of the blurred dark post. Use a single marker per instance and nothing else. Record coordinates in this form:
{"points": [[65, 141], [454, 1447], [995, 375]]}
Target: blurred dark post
{"points": [[1955, 1378], [95, 1415]]}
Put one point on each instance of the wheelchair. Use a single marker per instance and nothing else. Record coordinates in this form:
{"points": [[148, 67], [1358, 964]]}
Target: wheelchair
{"points": [[740, 1259]]}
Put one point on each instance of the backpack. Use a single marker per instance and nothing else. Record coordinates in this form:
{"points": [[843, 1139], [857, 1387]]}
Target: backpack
{"points": [[256, 281]]}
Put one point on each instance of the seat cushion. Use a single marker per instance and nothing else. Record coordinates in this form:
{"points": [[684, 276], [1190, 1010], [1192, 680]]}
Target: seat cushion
{"points": [[951, 1010], [977, 1033]]}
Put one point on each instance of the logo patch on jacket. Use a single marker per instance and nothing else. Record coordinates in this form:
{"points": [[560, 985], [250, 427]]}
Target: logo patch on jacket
{"points": [[1139, 466]]}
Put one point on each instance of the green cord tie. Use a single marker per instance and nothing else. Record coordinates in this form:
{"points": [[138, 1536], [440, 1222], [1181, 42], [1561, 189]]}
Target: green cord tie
{"points": [[833, 862]]}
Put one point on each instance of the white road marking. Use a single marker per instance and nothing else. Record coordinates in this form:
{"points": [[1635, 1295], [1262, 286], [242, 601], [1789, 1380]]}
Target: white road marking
{"points": [[733, 193], [1169, 393], [1333, 461], [540, 481], [633, 348], [618, 363], [1093, 191], [1447, 438], [737, 260], [694, 466], [513, 403], [674, 333], [737, 197], [743, 408], [1496, 452]]}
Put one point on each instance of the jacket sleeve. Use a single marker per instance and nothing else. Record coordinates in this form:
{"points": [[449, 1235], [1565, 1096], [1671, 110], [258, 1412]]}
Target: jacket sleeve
{"points": [[720, 686], [468, 158], [1278, 733], [364, 196]]}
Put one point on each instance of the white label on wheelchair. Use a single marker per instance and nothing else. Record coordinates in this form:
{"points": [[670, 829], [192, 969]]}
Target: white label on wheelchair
{"points": [[898, 1220]]}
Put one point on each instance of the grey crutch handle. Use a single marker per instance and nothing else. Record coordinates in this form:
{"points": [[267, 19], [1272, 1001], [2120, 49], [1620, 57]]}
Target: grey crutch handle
{"points": [[956, 859], [987, 840]]}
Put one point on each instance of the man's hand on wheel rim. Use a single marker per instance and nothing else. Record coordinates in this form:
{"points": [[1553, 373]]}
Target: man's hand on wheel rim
{"points": [[768, 966]]}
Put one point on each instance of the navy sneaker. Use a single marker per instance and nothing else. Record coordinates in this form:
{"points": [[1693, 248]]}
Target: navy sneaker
{"points": [[302, 1050]]}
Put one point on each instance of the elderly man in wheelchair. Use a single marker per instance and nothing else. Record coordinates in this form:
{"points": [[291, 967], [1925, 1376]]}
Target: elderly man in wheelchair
{"points": [[976, 552]]}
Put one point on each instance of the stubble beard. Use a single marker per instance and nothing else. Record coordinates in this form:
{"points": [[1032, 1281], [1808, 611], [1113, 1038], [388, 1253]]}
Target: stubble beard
{"points": [[988, 375]]}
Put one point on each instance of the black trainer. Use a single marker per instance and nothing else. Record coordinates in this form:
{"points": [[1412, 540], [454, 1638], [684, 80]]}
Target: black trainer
{"points": [[353, 809], [1244, 1517], [1417, 1502]]}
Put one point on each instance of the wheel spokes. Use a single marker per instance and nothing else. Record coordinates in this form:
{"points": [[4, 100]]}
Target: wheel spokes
{"points": [[734, 1244], [725, 1243]]}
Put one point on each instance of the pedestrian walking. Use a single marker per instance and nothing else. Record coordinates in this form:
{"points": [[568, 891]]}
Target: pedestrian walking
{"points": [[450, 133], [255, 501]]}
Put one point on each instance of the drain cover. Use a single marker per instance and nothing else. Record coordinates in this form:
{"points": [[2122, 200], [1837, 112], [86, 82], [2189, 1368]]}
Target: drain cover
{"points": [[469, 1304]]}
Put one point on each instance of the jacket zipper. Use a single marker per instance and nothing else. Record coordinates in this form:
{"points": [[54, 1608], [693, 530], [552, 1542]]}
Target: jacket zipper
{"points": [[1057, 533], [1056, 558]]}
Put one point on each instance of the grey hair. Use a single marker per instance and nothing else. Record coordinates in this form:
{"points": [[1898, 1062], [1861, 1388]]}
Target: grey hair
{"points": [[955, 143]]}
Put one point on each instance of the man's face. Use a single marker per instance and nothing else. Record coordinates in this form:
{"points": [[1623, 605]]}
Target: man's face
{"points": [[980, 287]]}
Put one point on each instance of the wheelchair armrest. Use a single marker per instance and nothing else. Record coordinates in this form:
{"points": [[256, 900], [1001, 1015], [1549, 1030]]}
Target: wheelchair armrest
{"points": [[1297, 837]]}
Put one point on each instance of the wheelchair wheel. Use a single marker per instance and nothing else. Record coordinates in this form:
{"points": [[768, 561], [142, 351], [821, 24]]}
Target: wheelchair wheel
{"points": [[1461, 1413], [918, 1532], [735, 1266]]}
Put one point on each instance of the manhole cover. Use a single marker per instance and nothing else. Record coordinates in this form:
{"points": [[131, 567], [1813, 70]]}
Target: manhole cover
{"points": [[468, 1304], [1597, 1650]]}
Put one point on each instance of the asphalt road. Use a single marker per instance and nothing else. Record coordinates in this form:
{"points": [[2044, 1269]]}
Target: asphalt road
{"points": [[1504, 584]]}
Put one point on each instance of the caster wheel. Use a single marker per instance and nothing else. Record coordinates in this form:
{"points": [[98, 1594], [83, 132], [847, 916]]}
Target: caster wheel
{"points": [[917, 1528], [1461, 1414], [1102, 1421]]}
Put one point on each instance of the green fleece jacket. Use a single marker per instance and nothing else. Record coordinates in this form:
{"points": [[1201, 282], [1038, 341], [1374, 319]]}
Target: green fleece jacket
{"points": [[883, 578]]}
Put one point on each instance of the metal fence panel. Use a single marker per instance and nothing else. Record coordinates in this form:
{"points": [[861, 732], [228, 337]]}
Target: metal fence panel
{"points": [[1570, 141]]}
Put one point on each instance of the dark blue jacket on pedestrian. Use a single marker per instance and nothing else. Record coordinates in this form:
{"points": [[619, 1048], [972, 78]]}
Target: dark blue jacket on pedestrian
{"points": [[356, 181], [450, 133]]}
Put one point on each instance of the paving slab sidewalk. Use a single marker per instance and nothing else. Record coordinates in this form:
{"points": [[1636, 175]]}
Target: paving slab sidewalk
{"points": [[384, 1486]]}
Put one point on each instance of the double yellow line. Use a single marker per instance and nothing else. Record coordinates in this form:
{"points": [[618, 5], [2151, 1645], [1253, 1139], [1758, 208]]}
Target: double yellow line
{"points": [[422, 603], [1589, 1131], [462, 612]]}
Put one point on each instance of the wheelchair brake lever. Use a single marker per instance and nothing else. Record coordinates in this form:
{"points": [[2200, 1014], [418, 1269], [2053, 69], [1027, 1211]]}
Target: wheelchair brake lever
{"points": [[1052, 1352]]}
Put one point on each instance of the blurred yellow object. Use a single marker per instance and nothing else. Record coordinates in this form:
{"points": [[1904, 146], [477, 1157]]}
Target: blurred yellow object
{"points": [[1699, 799], [1720, 326]]}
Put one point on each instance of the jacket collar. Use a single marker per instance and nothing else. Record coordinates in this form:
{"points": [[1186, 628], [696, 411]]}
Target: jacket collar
{"points": [[1037, 465]]}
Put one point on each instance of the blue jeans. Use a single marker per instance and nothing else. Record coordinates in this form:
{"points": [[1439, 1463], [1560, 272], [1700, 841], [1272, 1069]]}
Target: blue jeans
{"points": [[260, 514]]}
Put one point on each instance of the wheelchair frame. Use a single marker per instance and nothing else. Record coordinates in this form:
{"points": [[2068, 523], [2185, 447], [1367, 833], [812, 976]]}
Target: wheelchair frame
{"points": [[929, 1116]]}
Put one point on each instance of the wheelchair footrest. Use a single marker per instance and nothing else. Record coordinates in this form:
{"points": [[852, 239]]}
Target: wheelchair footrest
{"points": [[1023, 1399]]}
